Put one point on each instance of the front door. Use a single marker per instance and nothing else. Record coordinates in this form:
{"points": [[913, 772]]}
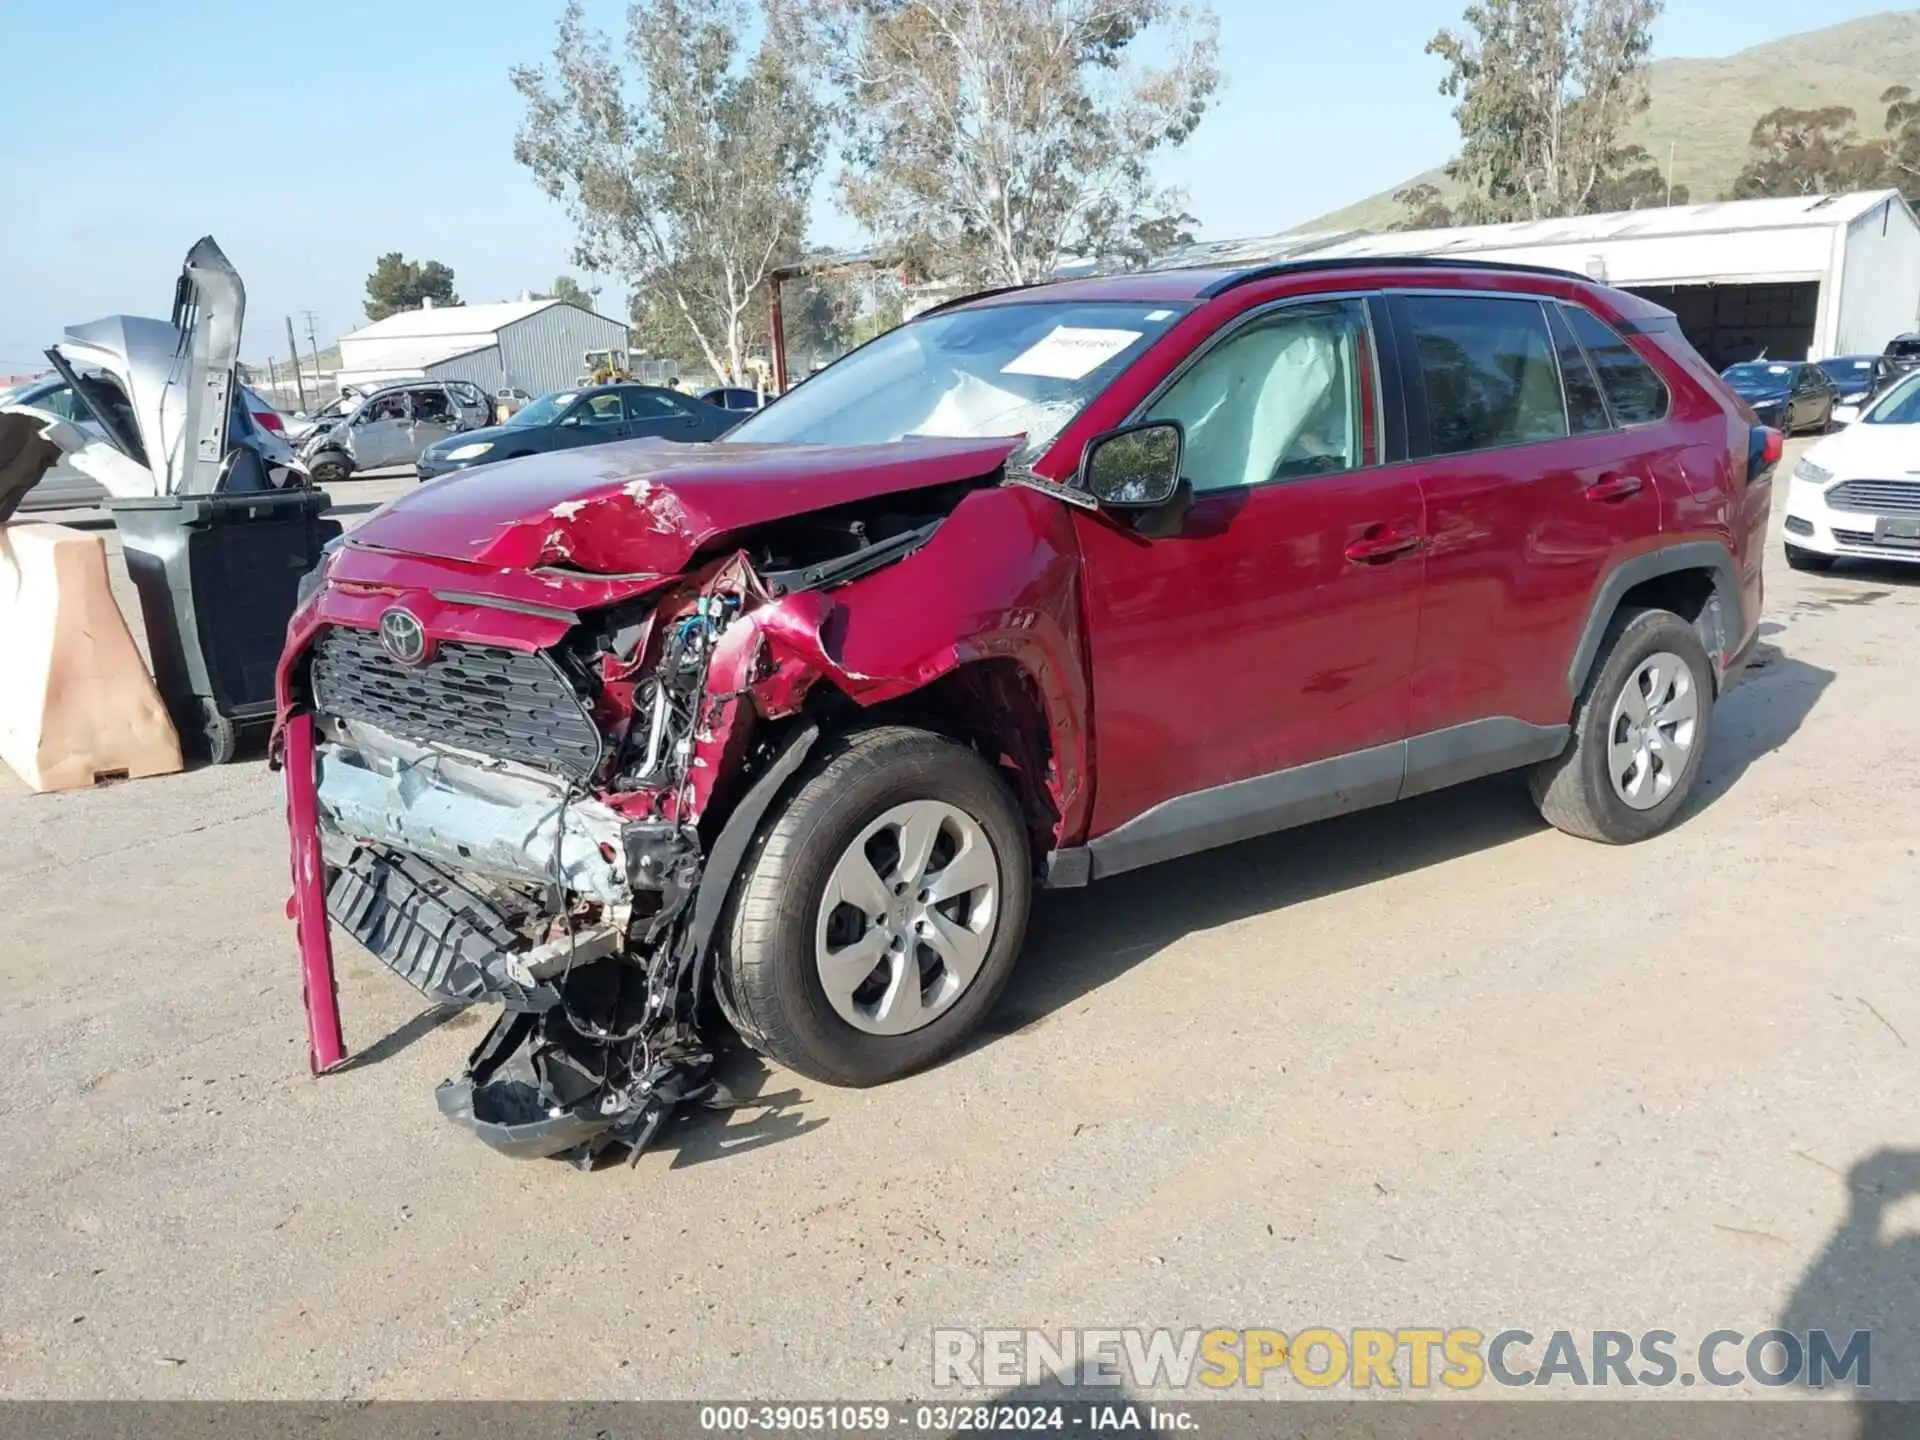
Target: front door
{"points": [[1535, 487], [1274, 628], [595, 419], [434, 418]]}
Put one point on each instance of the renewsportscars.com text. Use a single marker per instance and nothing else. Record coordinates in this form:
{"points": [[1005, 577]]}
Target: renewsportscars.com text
{"points": [[1403, 1358]]}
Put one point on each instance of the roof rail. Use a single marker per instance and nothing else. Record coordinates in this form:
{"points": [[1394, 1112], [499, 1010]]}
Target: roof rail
{"points": [[1374, 262]]}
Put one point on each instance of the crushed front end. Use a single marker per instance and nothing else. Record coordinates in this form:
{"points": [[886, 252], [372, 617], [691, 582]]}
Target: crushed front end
{"points": [[505, 824], [524, 770]]}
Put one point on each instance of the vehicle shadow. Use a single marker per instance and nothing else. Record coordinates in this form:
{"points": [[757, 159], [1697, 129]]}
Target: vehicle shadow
{"points": [[1756, 717], [400, 1037], [1079, 940], [1867, 1278], [746, 1118], [1887, 572]]}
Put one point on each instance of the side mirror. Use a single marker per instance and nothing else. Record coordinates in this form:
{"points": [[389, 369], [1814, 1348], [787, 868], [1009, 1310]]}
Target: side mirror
{"points": [[1135, 468]]}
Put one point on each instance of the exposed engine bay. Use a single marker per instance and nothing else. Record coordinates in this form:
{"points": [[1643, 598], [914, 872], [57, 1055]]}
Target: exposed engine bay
{"points": [[556, 831]]}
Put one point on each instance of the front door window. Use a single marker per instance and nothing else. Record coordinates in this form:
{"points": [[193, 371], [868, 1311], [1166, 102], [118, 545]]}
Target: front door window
{"points": [[1285, 398]]}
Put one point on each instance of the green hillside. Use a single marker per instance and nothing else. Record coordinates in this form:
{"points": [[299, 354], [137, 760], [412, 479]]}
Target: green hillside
{"points": [[1706, 108]]}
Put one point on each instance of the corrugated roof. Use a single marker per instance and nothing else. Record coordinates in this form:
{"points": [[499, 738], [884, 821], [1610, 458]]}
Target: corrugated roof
{"points": [[1660, 222], [1720, 216], [470, 322]]}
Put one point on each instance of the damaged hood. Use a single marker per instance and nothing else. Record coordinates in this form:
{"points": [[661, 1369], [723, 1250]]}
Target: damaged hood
{"points": [[650, 506]]}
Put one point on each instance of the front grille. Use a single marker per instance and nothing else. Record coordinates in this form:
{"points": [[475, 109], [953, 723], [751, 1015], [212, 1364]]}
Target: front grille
{"points": [[1868, 540], [1876, 497], [478, 697]]}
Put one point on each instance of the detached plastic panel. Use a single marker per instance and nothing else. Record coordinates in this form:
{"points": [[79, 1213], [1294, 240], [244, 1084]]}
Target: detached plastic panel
{"points": [[218, 577], [76, 704]]}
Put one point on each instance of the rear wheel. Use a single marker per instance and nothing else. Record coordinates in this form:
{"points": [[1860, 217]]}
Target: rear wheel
{"points": [[1639, 733], [1798, 559], [879, 914]]}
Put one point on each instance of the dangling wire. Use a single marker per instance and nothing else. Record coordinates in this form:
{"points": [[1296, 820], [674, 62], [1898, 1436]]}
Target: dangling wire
{"points": [[584, 1027]]}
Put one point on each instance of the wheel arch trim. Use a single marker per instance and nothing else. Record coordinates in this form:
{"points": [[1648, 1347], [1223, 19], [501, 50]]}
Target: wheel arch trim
{"points": [[1711, 556]]}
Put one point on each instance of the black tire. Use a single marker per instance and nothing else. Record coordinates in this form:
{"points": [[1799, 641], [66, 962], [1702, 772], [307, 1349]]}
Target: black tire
{"points": [[1798, 559], [329, 467], [219, 740], [1573, 790], [768, 981]]}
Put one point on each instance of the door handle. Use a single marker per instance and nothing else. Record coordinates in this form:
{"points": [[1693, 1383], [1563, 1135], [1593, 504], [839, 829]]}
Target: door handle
{"points": [[1380, 545], [1613, 487]]}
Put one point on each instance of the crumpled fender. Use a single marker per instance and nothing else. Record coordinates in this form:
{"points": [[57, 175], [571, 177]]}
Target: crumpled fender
{"points": [[954, 601]]}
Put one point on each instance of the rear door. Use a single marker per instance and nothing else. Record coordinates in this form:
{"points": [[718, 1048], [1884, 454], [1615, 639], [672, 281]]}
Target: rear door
{"points": [[675, 417], [1532, 494], [1273, 626]]}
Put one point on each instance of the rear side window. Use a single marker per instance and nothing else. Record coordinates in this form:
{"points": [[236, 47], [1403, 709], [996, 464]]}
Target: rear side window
{"points": [[652, 405], [1636, 394], [1488, 368], [1586, 410]]}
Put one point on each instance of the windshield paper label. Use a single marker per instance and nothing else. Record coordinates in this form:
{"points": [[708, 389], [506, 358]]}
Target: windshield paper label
{"points": [[1070, 352]]}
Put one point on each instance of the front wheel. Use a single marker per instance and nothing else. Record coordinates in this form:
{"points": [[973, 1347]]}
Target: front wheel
{"points": [[1639, 733], [879, 914], [329, 467]]}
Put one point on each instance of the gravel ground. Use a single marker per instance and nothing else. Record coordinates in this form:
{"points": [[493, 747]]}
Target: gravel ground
{"points": [[1431, 1065]]}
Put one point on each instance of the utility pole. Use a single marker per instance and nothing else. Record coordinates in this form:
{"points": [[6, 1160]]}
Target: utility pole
{"points": [[314, 344], [293, 347]]}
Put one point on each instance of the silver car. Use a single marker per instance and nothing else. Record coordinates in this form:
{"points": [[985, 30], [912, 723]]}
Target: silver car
{"points": [[392, 425]]}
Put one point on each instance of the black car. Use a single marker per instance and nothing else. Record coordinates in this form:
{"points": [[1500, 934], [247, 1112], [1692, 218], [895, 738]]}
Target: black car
{"points": [[1856, 377], [1901, 356], [1786, 394], [733, 397], [592, 415]]}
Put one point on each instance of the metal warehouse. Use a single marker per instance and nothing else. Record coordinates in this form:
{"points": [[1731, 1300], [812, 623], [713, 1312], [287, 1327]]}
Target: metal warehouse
{"points": [[536, 345], [1799, 278]]}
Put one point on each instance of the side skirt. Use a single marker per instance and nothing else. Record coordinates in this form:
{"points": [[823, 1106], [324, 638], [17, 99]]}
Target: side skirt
{"points": [[1303, 794]]}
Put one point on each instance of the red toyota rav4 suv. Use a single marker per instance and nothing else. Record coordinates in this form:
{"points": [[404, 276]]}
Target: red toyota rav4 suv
{"points": [[1042, 587]]}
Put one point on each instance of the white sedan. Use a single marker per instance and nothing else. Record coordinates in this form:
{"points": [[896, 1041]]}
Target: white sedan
{"points": [[1858, 492]]}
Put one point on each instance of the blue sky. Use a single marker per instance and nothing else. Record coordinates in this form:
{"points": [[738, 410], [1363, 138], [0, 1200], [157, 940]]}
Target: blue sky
{"points": [[335, 132]]}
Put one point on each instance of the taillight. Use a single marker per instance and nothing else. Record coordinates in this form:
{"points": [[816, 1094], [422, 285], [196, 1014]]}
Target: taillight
{"points": [[1765, 446], [270, 420]]}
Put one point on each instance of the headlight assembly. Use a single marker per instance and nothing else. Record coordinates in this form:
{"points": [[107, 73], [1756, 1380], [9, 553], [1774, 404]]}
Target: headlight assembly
{"points": [[1813, 474], [469, 452]]}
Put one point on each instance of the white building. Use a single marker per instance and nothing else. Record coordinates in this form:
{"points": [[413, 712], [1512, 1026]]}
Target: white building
{"points": [[536, 345], [1799, 278]]}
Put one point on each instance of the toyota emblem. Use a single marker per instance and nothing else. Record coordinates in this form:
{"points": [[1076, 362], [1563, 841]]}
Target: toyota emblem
{"points": [[403, 636]]}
